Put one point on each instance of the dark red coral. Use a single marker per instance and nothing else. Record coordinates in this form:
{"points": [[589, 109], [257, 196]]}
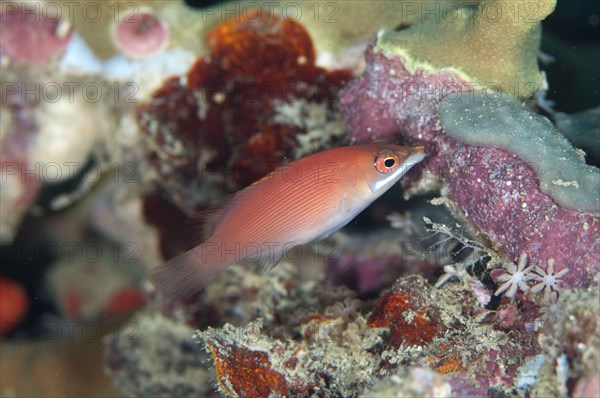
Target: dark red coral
{"points": [[14, 304], [389, 309], [218, 124], [245, 373], [403, 310], [421, 330]]}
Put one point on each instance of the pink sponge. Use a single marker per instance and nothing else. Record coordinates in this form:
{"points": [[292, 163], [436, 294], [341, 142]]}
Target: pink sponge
{"points": [[495, 190]]}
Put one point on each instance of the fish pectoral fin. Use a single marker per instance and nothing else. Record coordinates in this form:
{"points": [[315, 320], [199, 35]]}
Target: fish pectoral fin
{"points": [[269, 264], [349, 204], [200, 227], [265, 262]]}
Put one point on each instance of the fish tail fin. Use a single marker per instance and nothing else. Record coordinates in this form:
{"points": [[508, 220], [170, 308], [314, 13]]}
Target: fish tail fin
{"points": [[185, 275]]}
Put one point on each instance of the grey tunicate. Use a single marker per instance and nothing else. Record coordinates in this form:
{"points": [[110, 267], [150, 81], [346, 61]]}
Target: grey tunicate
{"points": [[496, 120]]}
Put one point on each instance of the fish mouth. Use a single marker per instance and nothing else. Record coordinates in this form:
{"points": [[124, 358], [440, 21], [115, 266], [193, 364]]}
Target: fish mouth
{"points": [[416, 157]]}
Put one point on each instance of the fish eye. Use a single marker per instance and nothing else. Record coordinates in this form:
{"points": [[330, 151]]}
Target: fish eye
{"points": [[386, 163]]}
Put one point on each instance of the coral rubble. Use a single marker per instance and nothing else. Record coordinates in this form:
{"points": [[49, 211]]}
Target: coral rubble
{"points": [[311, 338], [156, 356]]}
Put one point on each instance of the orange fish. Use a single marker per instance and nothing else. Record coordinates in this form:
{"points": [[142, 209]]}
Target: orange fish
{"points": [[302, 202]]}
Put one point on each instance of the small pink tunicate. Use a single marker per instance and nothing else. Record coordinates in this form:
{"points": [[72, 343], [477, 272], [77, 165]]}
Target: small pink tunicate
{"points": [[31, 35], [482, 295], [141, 35]]}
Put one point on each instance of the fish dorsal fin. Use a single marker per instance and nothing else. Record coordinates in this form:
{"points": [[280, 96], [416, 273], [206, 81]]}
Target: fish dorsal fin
{"points": [[199, 228]]}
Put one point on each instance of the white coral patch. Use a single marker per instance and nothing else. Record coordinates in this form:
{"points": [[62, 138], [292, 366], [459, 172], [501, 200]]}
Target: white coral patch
{"points": [[68, 131]]}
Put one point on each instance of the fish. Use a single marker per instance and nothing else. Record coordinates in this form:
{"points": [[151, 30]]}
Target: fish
{"points": [[302, 202]]}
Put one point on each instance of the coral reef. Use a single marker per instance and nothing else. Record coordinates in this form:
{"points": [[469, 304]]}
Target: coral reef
{"points": [[568, 337], [495, 190], [258, 111], [54, 131], [466, 342], [309, 338], [493, 43], [411, 382], [141, 35], [503, 123], [284, 368], [194, 104], [33, 36], [96, 281], [157, 357]]}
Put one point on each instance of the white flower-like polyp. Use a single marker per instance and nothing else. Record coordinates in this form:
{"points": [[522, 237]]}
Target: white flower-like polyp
{"points": [[515, 278], [548, 281]]}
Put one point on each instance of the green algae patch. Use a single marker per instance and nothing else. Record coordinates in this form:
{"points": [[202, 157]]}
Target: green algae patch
{"points": [[493, 120]]}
